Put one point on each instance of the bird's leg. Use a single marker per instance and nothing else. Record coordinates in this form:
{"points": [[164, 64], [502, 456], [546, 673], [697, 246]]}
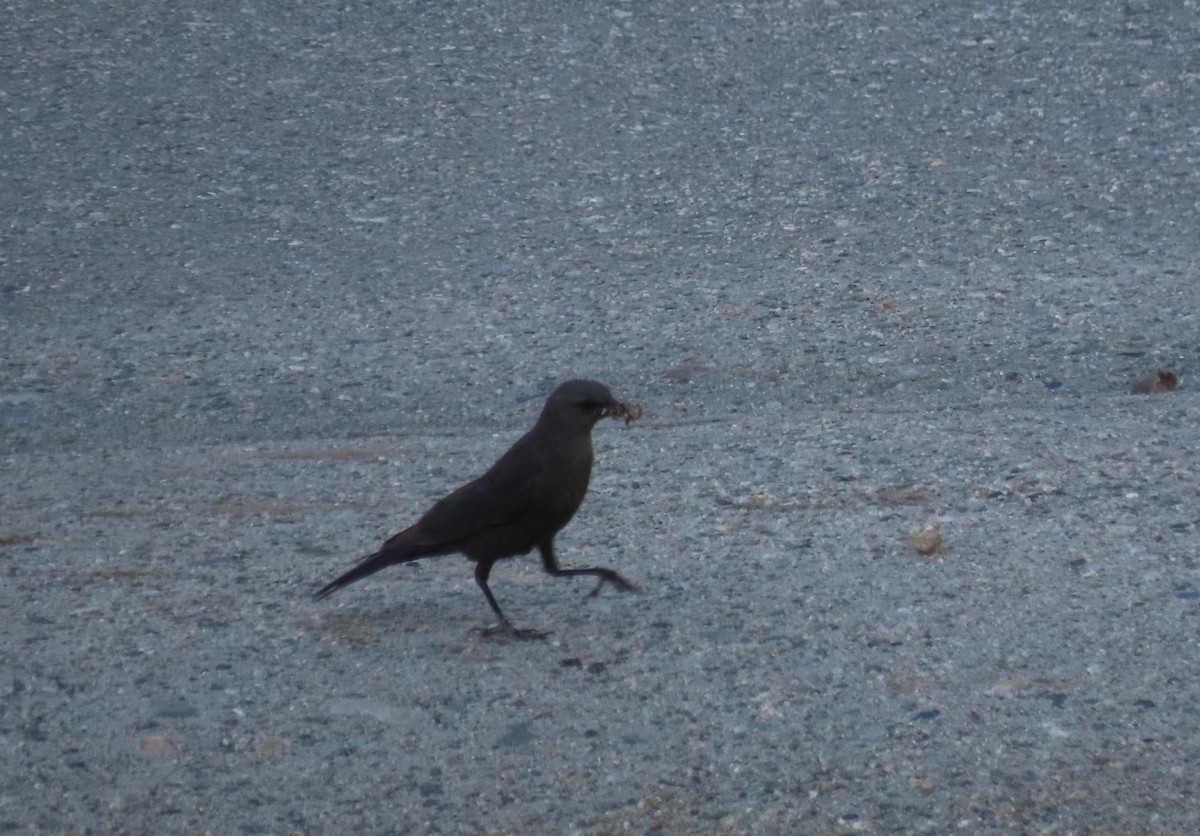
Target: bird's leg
{"points": [[550, 564], [504, 628], [482, 570]]}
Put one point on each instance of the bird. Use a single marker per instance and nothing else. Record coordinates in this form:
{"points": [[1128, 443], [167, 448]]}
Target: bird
{"points": [[520, 503]]}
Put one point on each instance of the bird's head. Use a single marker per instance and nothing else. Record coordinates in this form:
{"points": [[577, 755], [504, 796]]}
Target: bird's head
{"points": [[584, 402]]}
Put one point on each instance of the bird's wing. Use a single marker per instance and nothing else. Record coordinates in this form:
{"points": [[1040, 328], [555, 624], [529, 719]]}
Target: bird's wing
{"points": [[496, 498]]}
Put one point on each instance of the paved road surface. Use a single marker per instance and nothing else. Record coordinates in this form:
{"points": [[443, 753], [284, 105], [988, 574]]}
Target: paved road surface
{"points": [[274, 276]]}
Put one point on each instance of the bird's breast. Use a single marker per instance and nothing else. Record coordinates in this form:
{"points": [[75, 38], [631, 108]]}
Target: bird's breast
{"points": [[564, 490]]}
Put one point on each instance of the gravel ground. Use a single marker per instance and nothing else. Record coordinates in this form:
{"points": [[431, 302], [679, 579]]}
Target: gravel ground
{"points": [[274, 277]]}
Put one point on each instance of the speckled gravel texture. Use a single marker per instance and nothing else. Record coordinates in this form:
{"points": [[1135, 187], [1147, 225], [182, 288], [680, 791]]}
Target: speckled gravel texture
{"points": [[275, 276]]}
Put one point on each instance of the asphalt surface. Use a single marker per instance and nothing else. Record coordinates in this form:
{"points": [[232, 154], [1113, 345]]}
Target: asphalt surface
{"points": [[274, 277]]}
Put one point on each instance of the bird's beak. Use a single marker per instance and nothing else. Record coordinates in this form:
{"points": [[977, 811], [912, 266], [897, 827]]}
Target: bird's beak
{"points": [[629, 411]]}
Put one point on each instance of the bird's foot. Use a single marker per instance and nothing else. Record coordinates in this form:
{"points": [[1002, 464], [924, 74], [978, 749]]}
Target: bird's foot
{"points": [[616, 580], [505, 629]]}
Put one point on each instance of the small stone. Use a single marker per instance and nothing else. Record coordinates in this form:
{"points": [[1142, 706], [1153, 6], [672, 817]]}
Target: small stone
{"points": [[927, 540]]}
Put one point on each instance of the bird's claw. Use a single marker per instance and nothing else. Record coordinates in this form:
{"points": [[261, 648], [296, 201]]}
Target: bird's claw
{"points": [[617, 581], [507, 630]]}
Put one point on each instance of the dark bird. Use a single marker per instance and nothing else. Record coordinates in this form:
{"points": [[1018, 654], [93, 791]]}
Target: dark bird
{"points": [[522, 501]]}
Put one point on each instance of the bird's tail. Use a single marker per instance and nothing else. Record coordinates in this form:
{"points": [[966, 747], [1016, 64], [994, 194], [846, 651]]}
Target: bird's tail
{"points": [[391, 554]]}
